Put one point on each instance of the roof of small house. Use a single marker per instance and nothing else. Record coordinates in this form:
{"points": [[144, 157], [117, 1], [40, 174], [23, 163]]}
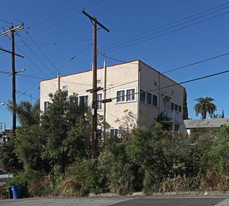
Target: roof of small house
{"points": [[206, 123]]}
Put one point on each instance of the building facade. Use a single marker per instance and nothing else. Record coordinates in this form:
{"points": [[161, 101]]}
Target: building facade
{"points": [[133, 86]]}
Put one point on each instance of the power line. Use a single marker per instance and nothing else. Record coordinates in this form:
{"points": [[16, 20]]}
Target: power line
{"points": [[35, 77], [7, 22], [63, 19], [78, 54], [42, 52], [24, 93], [36, 56], [4, 72], [177, 68], [158, 28], [184, 82], [138, 40], [194, 63], [60, 42], [121, 84], [32, 62], [60, 14]]}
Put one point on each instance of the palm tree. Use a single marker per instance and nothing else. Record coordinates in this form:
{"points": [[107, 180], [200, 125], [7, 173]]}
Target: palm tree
{"points": [[204, 106], [27, 113]]}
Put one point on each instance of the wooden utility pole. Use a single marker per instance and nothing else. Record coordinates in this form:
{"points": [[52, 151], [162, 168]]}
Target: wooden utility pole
{"points": [[104, 97], [94, 89], [11, 31]]}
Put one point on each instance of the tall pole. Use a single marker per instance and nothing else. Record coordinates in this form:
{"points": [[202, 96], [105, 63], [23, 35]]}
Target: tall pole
{"points": [[11, 31], [94, 89], [105, 96], [13, 81], [58, 79]]}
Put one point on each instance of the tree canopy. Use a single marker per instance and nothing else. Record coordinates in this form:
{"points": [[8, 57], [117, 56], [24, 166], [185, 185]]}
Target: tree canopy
{"points": [[205, 106]]}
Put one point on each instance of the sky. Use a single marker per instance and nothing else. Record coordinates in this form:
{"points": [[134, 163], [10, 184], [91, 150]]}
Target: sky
{"points": [[188, 37]]}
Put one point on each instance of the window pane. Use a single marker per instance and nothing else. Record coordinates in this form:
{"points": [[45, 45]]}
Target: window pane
{"points": [[149, 98], [114, 132], [130, 94], [176, 107], [46, 104], [155, 100], [172, 106], [83, 101], [120, 96], [179, 108], [142, 96]]}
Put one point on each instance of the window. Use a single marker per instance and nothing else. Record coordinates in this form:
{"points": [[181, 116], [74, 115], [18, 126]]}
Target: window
{"points": [[64, 87], [113, 132], [149, 98], [125, 95], [172, 106], [176, 107], [99, 81], [155, 100], [83, 101], [142, 95], [46, 104], [179, 108], [130, 95], [121, 96], [99, 103]]}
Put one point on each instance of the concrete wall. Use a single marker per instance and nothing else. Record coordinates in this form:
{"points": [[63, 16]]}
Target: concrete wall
{"points": [[156, 83], [122, 77], [119, 77]]}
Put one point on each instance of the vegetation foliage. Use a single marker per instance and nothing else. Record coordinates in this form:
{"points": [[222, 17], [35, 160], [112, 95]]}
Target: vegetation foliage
{"points": [[53, 156]]}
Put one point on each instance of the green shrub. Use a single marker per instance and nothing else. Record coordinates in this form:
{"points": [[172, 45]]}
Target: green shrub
{"points": [[89, 176], [23, 178]]}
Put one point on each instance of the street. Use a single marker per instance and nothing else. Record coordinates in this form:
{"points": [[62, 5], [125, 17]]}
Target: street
{"points": [[121, 201], [177, 201]]}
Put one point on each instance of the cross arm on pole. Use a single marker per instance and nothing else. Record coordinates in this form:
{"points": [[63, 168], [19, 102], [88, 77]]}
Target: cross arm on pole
{"points": [[11, 52], [94, 19]]}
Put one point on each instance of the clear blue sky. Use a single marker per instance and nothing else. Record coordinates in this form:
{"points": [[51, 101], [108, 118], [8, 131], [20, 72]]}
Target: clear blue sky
{"points": [[58, 31]]}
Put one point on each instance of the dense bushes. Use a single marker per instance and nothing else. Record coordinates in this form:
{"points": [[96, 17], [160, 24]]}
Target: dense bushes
{"points": [[56, 157]]}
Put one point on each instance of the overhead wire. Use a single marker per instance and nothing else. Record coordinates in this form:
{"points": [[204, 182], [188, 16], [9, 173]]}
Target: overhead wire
{"points": [[60, 14], [36, 56], [76, 55], [66, 18], [141, 39], [183, 82], [177, 68], [45, 55], [24, 93], [32, 62], [169, 24], [60, 42]]}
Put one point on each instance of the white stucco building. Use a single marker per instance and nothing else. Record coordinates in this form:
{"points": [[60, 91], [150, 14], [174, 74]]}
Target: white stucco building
{"points": [[134, 86]]}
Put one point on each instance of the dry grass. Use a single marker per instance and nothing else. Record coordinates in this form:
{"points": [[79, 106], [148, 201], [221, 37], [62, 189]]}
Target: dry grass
{"points": [[172, 185], [70, 188], [36, 187], [214, 181], [2, 191]]}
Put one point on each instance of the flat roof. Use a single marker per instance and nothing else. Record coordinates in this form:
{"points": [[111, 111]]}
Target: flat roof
{"points": [[206, 123], [91, 70]]}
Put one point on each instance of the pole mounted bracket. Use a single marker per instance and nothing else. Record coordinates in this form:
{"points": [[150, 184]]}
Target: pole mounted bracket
{"points": [[95, 89]]}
